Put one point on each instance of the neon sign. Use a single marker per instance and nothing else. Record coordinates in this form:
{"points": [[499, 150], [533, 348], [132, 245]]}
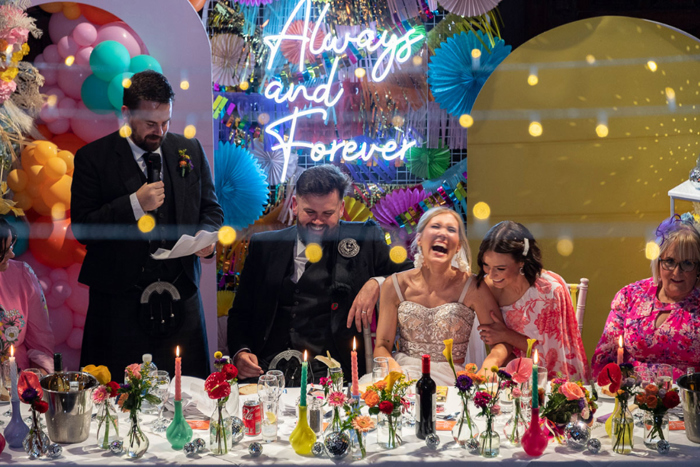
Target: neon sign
{"points": [[396, 50]]}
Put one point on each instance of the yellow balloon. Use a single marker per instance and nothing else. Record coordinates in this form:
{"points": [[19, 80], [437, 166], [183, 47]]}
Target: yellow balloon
{"points": [[71, 10], [17, 180], [40, 206], [23, 200], [55, 168], [57, 191], [67, 157], [54, 7], [33, 190], [44, 151], [28, 159], [35, 173], [28, 149]]}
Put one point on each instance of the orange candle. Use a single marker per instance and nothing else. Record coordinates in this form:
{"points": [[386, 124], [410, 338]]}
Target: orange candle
{"points": [[353, 363], [620, 352], [178, 375]]}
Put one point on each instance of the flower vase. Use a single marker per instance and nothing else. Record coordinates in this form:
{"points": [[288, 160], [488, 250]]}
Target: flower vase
{"points": [[136, 443], [232, 404], [465, 428], [220, 429], [336, 424], [515, 426], [489, 440], [107, 424], [36, 443], [303, 437], [655, 428], [179, 431], [389, 430], [359, 444], [16, 430], [534, 440], [608, 422], [623, 429]]}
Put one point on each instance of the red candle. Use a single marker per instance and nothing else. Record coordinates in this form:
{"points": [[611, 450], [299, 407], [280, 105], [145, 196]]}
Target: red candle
{"points": [[178, 375], [620, 352], [353, 363]]}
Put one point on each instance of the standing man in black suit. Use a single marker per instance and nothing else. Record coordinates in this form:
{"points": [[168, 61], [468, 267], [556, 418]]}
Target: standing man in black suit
{"points": [[285, 301], [121, 187]]}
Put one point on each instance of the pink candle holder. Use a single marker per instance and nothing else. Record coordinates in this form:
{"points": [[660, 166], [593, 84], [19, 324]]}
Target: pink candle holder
{"points": [[535, 439]]}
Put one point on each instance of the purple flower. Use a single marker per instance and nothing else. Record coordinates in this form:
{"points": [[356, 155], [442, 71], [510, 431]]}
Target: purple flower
{"points": [[464, 383], [582, 404], [503, 374], [125, 387], [29, 395], [221, 361]]}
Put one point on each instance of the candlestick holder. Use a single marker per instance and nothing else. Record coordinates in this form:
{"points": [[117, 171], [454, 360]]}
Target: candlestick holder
{"points": [[16, 430], [303, 437], [535, 439], [179, 432]]}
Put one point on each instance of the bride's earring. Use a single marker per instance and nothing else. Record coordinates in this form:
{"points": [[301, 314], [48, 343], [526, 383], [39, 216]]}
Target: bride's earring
{"points": [[462, 264], [522, 273], [418, 258]]}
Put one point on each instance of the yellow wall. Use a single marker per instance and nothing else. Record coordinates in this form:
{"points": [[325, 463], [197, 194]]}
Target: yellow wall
{"points": [[606, 195]]}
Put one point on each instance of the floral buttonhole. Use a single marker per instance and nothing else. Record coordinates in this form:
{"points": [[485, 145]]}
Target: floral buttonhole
{"points": [[185, 163]]}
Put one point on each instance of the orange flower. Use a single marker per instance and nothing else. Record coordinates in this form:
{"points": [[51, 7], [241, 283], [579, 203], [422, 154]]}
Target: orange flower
{"points": [[463, 372], [380, 385], [652, 401], [640, 398], [471, 368], [371, 398], [478, 379], [121, 400], [651, 389], [362, 423]]}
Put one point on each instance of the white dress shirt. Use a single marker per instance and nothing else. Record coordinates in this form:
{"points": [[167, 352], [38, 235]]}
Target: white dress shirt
{"points": [[138, 156]]}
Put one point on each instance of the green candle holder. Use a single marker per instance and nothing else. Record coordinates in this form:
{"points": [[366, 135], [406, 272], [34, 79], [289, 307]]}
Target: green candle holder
{"points": [[179, 432], [303, 437]]}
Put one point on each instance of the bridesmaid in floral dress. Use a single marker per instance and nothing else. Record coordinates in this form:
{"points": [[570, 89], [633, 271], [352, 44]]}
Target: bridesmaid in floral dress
{"points": [[535, 303], [659, 317]]}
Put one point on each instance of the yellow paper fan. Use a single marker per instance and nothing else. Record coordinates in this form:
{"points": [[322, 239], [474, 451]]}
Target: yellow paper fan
{"points": [[224, 302], [355, 210]]}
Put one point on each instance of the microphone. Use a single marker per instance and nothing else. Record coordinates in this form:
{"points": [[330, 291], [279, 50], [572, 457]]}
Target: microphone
{"points": [[153, 164]]}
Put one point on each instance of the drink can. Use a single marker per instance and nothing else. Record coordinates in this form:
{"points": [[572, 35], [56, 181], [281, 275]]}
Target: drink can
{"points": [[252, 418]]}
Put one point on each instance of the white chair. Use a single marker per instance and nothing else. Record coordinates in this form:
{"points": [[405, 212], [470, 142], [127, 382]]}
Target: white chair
{"points": [[578, 297]]}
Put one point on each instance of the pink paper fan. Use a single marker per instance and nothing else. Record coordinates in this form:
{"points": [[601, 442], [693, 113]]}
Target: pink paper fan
{"points": [[395, 203], [469, 7], [290, 49]]}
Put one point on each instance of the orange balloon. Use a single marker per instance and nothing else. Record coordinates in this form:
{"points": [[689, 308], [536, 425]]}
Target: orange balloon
{"points": [[71, 10], [67, 157], [33, 190], [57, 191], [35, 175], [17, 180], [45, 132], [44, 151], [23, 200], [27, 160], [40, 206], [98, 15], [68, 141], [55, 168], [50, 242], [198, 4], [54, 7]]}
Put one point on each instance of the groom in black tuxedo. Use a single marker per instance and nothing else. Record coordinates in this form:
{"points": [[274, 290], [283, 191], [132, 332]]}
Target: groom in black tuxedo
{"points": [[130, 196], [292, 297]]}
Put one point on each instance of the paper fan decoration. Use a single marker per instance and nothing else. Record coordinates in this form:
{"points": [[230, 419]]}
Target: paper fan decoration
{"points": [[428, 163], [469, 7], [395, 203], [229, 58], [224, 302], [241, 185], [272, 163], [355, 210], [454, 75], [292, 49], [254, 2]]}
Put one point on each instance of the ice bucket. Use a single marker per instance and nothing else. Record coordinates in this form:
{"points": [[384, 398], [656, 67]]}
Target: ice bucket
{"points": [[69, 415], [689, 386]]}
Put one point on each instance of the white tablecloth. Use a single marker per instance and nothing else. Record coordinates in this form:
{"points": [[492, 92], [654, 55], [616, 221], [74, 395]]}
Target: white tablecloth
{"points": [[280, 453]]}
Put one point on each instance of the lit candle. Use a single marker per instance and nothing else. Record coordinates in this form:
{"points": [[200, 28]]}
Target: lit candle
{"points": [[13, 374], [535, 394], [620, 352], [178, 375], [353, 367], [304, 365]]}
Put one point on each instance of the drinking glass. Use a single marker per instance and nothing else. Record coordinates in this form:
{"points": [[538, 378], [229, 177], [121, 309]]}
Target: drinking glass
{"points": [[160, 389], [664, 376], [279, 389], [268, 387], [380, 369], [270, 418], [409, 418]]}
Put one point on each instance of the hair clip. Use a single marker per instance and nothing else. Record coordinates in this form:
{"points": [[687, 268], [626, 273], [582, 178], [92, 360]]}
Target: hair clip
{"points": [[526, 248]]}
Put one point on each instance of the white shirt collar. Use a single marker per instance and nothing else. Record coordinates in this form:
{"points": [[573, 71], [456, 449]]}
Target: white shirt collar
{"points": [[138, 152]]}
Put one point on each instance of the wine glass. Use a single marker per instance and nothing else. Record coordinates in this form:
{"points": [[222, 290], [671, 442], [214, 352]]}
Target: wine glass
{"points": [[664, 376], [409, 418], [380, 369], [268, 387], [160, 389]]}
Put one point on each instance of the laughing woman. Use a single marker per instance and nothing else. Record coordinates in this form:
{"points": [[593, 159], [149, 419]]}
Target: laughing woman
{"points": [[435, 301]]}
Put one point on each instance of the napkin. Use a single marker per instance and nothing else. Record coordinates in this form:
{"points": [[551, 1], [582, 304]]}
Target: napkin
{"points": [[195, 401]]}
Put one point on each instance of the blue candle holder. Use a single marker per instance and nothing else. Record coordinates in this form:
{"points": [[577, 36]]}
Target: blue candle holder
{"points": [[16, 430]]}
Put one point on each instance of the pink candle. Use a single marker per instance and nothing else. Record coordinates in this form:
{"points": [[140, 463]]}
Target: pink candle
{"points": [[620, 352], [178, 375], [353, 363]]}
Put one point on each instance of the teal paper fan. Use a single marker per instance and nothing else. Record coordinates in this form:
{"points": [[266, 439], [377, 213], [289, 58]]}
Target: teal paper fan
{"points": [[455, 78], [427, 163], [241, 185]]}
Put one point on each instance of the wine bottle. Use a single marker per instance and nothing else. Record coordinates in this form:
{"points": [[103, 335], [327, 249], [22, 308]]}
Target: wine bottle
{"points": [[425, 402], [59, 382]]}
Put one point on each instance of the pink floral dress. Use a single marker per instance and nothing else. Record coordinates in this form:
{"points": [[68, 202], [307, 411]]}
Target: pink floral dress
{"points": [[634, 311], [545, 313]]}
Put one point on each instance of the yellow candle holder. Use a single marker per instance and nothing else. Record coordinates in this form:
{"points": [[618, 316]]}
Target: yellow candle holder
{"points": [[303, 437]]}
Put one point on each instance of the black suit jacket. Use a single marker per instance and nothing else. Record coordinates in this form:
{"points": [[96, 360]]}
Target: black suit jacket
{"points": [[106, 174], [269, 256]]}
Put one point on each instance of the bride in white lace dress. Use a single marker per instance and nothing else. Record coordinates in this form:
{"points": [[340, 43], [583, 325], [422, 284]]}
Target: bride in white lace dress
{"points": [[436, 301]]}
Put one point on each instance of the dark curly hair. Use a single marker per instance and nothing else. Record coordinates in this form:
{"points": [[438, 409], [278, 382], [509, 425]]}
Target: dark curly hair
{"points": [[322, 180], [6, 229], [508, 237], [150, 86]]}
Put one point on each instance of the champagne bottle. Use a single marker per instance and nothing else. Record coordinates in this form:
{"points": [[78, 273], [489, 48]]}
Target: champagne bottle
{"points": [[426, 398], [59, 382]]}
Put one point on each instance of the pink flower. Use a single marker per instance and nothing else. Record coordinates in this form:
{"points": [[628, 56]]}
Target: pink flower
{"points": [[17, 35], [134, 370], [100, 394], [517, 392], [520, 369], [572, 391], [6, 90], [336, 399]]}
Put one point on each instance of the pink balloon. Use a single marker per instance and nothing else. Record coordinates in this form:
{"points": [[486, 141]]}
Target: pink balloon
{"points": [[66, 107], [79, 320], [49, 114], [73, 272], [61, 319], [67, 46], [142, 44], [51, 54], [79, 298], [116, 32], [75, 339], [58, 127], [71, 357], [60, 26], [45, 284], [46, 69], [89, 126], [53, 91], [70, 79], [82, 58], [54, 301], [38, 268], [85, 34], [59, 274]]}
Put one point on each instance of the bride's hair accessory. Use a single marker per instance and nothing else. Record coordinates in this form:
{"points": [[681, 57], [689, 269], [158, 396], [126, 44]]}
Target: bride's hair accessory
{"points": [[418, 258], [459, 258], [526, 248]]}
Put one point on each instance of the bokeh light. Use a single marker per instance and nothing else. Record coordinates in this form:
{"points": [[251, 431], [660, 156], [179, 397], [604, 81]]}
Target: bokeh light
{"points": [[481, 210], [227, 235], [398, 254], [313, 252]]}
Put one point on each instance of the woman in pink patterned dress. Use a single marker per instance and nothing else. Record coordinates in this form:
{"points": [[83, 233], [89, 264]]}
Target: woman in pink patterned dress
{"points": [[535, 303], [659, 317]]}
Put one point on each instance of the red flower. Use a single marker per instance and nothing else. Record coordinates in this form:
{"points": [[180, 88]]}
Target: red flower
{"points": [[113, 388], [216, 386], [611, 375], [671, 399], [229, 371], [41, 406], [386, 407], [26, 381]]}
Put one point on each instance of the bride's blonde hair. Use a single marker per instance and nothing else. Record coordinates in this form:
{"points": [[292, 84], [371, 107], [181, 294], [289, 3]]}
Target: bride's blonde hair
{"points": [[436, 211]]}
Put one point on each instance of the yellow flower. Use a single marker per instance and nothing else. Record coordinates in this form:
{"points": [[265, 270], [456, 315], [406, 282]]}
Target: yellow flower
{"points": [[218, 355], [494, 369], [530, 343], [101, 373], [9, 74], [448, 352], [392, 378]]}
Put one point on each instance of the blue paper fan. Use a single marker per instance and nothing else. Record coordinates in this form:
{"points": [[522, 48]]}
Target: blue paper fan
{"points": [[453, 80], [241, 185]]}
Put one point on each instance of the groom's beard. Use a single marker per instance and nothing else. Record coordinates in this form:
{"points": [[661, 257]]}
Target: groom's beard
{"points": [[309, 235]]}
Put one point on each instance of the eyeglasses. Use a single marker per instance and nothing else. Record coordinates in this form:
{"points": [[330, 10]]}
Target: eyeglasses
{"points": [[669, 264]]}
